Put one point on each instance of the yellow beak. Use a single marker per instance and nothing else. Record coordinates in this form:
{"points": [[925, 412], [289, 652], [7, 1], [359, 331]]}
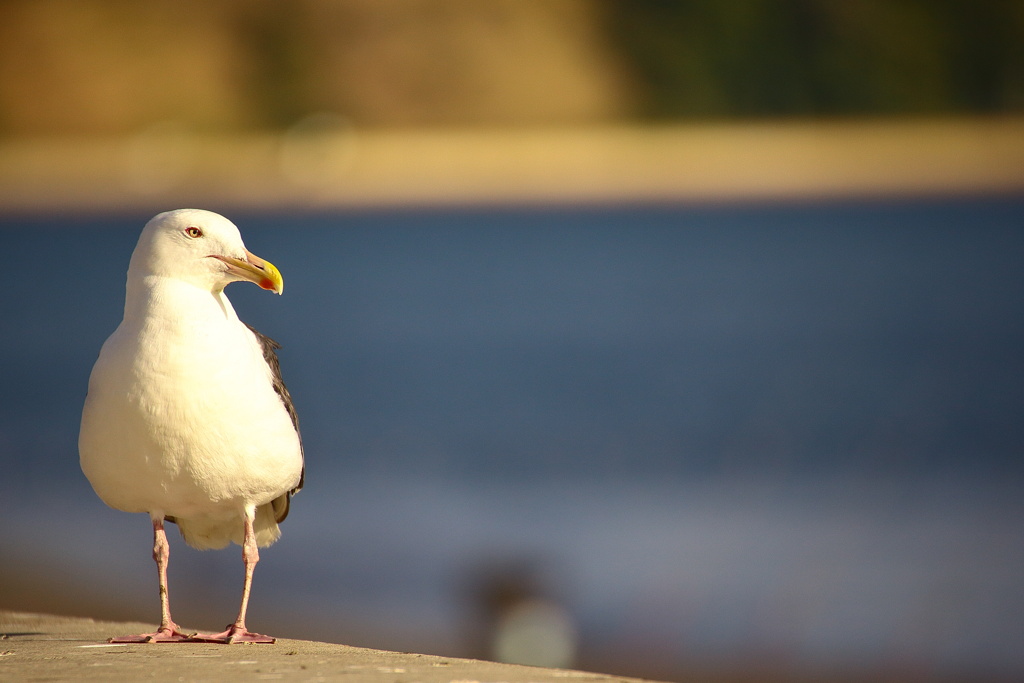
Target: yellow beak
{"points": [[254, 269]]}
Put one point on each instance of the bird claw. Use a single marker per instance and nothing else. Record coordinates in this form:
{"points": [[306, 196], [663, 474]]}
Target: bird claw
{"points": [[169, 634], [233, 634]]}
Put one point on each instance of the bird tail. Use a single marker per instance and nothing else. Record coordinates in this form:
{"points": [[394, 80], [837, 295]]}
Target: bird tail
{"points": [[210, 533]]}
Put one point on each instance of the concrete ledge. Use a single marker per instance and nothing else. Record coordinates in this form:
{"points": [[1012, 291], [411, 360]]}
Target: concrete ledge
{"points": [[52, 648]]}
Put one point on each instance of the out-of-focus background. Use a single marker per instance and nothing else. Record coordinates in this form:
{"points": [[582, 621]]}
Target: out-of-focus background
{"points": [[672, 339]]}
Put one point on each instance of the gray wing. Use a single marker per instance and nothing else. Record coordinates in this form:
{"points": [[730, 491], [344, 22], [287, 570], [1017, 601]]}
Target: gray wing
{"points": [[270, 347]]}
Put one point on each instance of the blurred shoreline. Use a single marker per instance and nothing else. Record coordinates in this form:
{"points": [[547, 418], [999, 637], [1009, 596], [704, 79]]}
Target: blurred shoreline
{"points": [[323, 163]]}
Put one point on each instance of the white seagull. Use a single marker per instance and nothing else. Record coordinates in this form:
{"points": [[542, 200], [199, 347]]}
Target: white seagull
{"points": [[187, 418]]}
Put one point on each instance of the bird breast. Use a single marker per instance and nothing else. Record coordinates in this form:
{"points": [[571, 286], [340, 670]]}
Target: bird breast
{"points": [[181, 415]]}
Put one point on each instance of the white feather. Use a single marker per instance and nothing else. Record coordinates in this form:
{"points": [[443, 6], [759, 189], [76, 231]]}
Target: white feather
{"points": [[182, 419]]}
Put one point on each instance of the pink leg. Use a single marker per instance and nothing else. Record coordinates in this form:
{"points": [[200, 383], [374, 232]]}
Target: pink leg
{"points": [[236, 632], [168, 631]]}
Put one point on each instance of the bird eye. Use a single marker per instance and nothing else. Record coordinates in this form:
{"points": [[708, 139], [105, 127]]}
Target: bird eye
{"points": [[193, 231]]}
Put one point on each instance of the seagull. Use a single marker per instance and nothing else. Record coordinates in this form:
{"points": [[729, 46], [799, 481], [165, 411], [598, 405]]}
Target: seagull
{"points": [[187, 418]]}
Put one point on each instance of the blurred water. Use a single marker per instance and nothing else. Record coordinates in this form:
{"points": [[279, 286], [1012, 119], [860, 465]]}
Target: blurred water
{"points": [[769, 431]]}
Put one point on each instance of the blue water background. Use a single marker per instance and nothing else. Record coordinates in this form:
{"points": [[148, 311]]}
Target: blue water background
{"points": [[789, 432]]}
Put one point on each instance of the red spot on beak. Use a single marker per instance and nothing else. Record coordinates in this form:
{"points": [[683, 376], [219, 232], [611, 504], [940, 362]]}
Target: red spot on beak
{"points": [[265, 283]]}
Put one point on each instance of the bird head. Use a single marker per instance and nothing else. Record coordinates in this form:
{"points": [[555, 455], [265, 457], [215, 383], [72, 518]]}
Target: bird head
{"points": [[200, 247]]}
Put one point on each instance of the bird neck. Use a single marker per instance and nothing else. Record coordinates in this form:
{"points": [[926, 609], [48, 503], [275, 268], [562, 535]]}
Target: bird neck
{"points": [[158, 296]]}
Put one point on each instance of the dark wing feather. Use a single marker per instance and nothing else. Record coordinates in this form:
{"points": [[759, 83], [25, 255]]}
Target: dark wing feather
{"points": [[270, 347]]}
